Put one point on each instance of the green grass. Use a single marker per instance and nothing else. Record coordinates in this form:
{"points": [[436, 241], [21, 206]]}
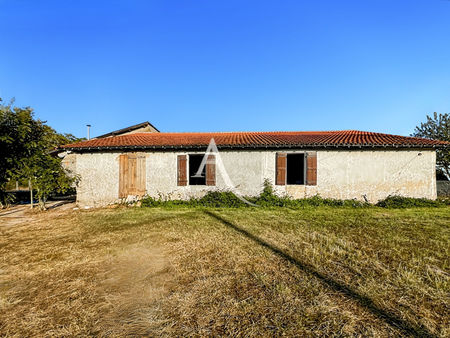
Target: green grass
{"points": [[242, 271]]}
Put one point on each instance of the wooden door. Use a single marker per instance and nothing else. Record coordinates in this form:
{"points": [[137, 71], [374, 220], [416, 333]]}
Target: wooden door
{"points": [[132, 175]]}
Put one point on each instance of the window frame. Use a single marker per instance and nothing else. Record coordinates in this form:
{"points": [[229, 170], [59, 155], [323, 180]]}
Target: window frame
{"points": [[303, 153], [189, 170]]}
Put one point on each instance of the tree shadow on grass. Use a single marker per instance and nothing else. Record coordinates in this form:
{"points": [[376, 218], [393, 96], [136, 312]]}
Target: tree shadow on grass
{"points": [[387, 316]]}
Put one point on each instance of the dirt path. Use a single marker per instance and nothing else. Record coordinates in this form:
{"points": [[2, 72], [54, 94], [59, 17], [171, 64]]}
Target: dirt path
{"points": [[61, 275], [22, 214]]}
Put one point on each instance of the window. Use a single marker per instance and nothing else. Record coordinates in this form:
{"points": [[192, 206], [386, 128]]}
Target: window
{"points": [[295, 169], [194, 165]]}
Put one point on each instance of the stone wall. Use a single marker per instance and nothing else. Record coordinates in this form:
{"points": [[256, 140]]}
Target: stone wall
{"points": [[362, 174]]}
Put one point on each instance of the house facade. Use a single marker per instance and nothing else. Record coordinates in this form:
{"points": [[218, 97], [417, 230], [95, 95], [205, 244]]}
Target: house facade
{"points": [[338, 164]]}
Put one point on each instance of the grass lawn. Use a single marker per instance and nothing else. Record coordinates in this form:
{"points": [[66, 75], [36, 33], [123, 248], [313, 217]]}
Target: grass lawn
{"points": [[240, 272]]}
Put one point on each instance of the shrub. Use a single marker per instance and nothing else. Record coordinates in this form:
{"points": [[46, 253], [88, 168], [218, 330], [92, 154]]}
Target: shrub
{"points": [[149, 201], [399, 202], [214, 199], [220, 199], [317, 201], [444, 200], [267, 198]]}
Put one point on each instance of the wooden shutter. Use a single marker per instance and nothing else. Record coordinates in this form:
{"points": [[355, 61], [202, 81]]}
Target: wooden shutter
{"points": [[123, 175], [141, 175], [281, 169], [311, 168], [181, 170], [211, 170], [132, 175]]}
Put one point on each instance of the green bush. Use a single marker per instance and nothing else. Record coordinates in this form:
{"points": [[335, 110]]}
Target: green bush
{"points": [[444, 200], [399, 202], [214, 199], [267, 198], [220, 199], [317, 201], [151, 202]]}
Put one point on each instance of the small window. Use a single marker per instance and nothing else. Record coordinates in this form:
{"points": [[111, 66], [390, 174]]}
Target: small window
{"points": [[295, 169], [194, 165]]}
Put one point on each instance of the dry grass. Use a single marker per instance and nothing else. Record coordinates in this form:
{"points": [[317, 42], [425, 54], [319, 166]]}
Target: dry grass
{"points": [[240, 272]]}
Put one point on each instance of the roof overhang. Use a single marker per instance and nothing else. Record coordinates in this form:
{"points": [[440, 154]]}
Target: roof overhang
{"points": [[255, 147]]}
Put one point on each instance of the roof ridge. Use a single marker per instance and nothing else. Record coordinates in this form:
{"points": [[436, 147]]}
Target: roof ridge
{"points": [[240, 132]]}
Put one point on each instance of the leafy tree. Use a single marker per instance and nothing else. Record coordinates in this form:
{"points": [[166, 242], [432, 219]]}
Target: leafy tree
{"points": [[46, 175], [18, 135], [26, 145], [437, 127]]}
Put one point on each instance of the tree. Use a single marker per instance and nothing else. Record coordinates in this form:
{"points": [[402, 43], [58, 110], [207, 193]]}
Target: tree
{"points": [[18, 136], [46, 175], [26, 145], [437, 127]]}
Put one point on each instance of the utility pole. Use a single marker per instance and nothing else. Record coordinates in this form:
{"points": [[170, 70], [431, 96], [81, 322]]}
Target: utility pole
{"points": [[31, 192]]}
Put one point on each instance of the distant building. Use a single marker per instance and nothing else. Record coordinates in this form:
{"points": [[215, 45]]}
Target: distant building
{"points": [[144, 127]]}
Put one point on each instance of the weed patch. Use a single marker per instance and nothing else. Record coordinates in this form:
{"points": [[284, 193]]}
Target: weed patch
{"points": [[268, 199], [399, 202]]}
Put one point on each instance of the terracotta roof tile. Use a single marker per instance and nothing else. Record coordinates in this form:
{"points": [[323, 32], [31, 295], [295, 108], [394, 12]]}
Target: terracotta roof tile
{"points": [[300, 139]]}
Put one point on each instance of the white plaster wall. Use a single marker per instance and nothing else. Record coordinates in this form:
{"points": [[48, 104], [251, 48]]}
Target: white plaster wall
{"points": [[376, 174], [245, 169], [99, 178], [340, 174]]}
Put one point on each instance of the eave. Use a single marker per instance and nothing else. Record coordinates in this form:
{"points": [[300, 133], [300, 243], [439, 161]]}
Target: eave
{"points": [[253, 147]]}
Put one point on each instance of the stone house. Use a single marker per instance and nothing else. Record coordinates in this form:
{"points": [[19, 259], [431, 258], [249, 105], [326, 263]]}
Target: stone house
{"points": [[334, 164]]}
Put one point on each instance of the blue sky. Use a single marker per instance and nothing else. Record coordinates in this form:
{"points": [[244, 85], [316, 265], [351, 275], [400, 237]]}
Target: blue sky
{"points": [[209, 65]]}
